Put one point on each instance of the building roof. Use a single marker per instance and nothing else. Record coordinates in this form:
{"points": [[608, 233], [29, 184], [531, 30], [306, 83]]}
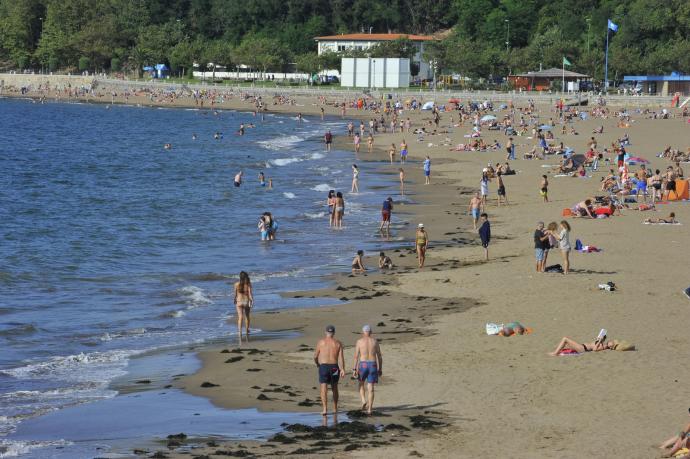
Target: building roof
{"points": [[552, 73], [674, 76], [374, 37]]}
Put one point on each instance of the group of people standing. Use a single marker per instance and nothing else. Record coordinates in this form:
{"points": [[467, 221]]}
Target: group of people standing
{"points": [[554, 236], [336, 208]]}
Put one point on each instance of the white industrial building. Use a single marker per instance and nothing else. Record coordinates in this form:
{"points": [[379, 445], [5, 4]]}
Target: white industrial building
{"points": [[375, 72], [361, 41]]}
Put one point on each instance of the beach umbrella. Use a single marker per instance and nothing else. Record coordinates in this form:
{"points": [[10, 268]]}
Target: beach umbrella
{"points": [[545, 127], [488, 118], [428, 105], [454, 101], [637, 159]]}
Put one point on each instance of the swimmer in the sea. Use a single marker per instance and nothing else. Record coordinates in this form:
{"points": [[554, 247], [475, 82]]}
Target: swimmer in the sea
{"points": [[238, 179]]}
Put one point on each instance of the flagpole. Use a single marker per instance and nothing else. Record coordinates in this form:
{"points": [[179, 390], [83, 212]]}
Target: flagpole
{"points": [[606, 60]]}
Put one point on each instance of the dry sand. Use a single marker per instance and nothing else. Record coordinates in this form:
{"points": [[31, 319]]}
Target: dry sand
{"points": [[498, 396]]}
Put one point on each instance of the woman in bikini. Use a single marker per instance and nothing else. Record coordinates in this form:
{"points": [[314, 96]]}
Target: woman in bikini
{"points": [[244, 301], [355, 179], [594, 346], [331, 205], [391, 152], [421, 244], [338, 210]]}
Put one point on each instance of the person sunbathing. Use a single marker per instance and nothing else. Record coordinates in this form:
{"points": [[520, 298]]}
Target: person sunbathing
{"points": [[513, 328], [584, 209], [670, 220], [677, 442], [567, 166], [594, 346]]}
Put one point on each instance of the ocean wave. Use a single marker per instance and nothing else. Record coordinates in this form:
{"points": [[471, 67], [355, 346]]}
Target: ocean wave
{"points": [[209, 277], [96, 367], [317, 156], [19, 330], [282, 142], [316, 215], [195, 296], [323, 187], [279, 274], [284, 161], [109, 336], [289, 195], [13, 448]]}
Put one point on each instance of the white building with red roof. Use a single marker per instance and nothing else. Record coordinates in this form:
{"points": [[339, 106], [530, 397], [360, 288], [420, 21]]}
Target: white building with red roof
{"points": [[363, 41]]}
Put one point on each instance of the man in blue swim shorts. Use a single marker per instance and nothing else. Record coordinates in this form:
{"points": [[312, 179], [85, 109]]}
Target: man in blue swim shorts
{"points": [[330, 360], [368, 367]]}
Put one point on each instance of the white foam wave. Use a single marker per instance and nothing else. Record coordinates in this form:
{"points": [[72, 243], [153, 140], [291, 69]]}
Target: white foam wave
{"points": [[317, 156], [289, 195], [317, 215], [91, 367], [284, 161], [322, 187], [195, 296], [281, 143], [263, 277], [11, 448]]}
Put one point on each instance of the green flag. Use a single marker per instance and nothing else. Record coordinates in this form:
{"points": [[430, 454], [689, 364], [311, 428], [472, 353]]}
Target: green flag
{"points": [[566, 61]]}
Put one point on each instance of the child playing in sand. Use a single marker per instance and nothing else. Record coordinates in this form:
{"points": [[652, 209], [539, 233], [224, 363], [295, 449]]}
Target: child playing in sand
{"points": [[385, 262]]}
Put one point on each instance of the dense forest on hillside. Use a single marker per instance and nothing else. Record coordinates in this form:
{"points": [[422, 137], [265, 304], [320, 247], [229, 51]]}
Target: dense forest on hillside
{"points": [[480, 37]]}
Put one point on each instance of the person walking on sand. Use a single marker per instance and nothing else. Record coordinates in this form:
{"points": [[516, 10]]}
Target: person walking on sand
{"points": [[475, 209], [563, 238], [427, 170], [355, 179], [367, 367], [403, 151], [544, 190], [330, 361], [510, 149], [501, 192], [370, 143], [484, 186], [328, 139], [421, 244], [391, 152], [402, 181], [386, 210], [244, 302], [485, 234], [338, 210]]}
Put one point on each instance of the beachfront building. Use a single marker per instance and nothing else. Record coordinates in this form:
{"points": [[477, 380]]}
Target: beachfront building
{"points": [[543, 80], [362, 41], [375, 72], [661, 84]]}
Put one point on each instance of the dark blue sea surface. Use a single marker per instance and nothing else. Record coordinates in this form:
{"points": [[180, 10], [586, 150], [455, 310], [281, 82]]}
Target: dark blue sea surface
{"points": [[111, 245]]}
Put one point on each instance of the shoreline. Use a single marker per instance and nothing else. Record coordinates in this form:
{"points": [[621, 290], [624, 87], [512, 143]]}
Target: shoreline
{"points": [[478, 385]]}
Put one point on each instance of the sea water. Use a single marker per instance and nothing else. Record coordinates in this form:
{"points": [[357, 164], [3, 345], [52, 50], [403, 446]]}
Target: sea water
{"points": [[113, 246]]}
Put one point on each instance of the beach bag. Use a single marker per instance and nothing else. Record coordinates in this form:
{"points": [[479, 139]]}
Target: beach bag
{"points": [[554, 269], [621, 345], [567, 212], [493, 329], [578, 244]]}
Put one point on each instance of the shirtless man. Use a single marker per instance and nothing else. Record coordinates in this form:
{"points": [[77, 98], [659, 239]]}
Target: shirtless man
{"points": [[642, 175], [367, 367], [330, 360], [475, 208]]}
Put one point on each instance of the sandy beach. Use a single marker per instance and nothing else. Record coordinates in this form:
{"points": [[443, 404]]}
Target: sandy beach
{"points": [[479, 395]]}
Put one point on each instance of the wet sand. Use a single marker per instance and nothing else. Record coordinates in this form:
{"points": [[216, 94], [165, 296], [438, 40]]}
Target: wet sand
{"points": [[491, 395]]}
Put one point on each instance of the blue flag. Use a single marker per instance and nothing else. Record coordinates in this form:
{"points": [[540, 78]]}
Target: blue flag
{"points": [[613, 26]]}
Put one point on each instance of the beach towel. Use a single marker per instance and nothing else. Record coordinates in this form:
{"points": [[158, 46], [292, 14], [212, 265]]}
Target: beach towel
{"points": [[568, 352], [662, 223], [682, 452], [554, 269], [493, 329]]}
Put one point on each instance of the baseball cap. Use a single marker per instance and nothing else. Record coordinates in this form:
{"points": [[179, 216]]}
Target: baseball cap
{"points": [[421, 225], [366, 329], [330, 329]]}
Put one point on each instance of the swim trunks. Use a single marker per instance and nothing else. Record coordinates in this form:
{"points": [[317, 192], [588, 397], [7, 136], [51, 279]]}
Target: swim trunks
{"points": [[386, 216], [539, 253], [403, 152], [671, 185], [237, 184], [501, 191], [475, 212], [427, 173], [367, 371], [329, 373]]}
